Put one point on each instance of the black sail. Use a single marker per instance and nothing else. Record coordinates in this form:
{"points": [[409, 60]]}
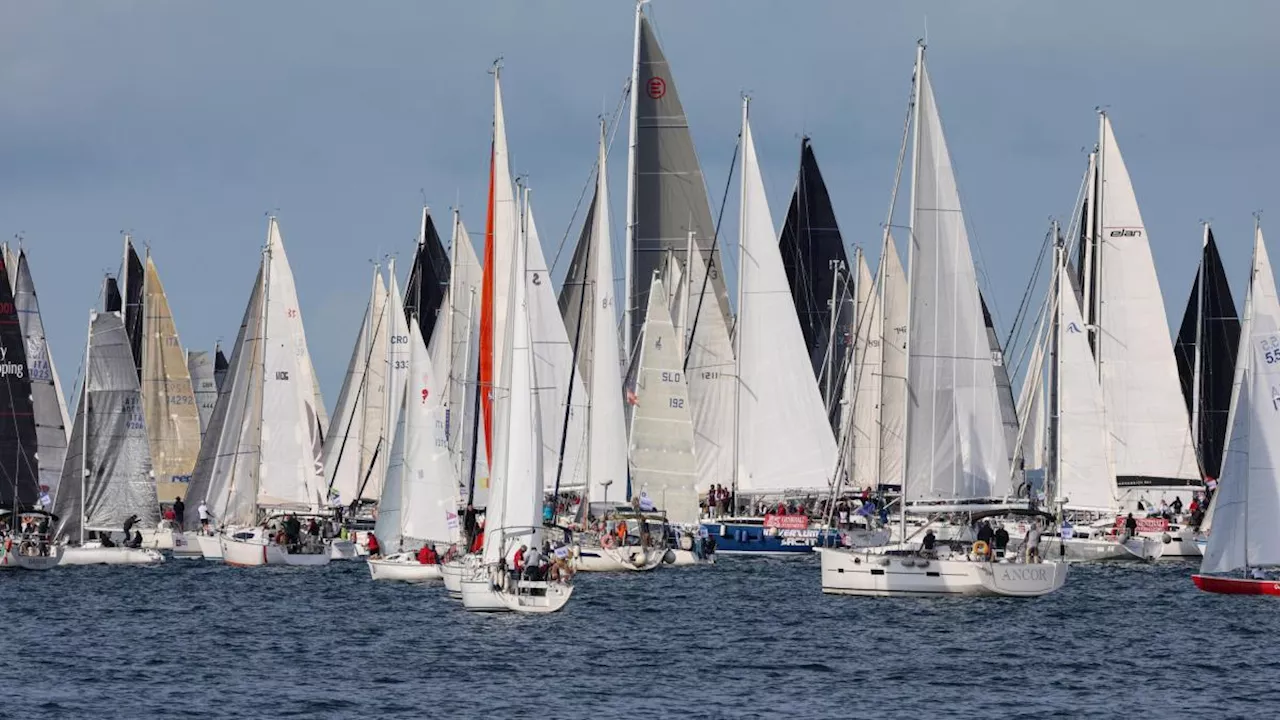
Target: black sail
{"points": [[428, 279], [220, 366], [133, 286], [19, 473], [812, 250], [1219, 335], [111, 301]]}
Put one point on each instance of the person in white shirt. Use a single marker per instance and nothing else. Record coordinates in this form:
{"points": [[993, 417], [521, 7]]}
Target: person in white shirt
{"points": [[532, 561], [204, 516]]}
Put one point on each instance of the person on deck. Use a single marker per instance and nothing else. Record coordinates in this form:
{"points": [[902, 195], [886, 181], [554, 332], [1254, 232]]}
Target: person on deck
{"points": [[1130, 526], [477, 544], [985, 533], [532, 563], [1033, 542], [179, 509], [427, 555], [469, 526], [203, 510], [128, 525], [374, 549], [517, 563], [1176, 506], [1001, 541], [929, 544]]}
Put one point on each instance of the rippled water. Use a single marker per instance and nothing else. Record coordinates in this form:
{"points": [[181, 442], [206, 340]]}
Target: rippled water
{"points": [[747, 638]]}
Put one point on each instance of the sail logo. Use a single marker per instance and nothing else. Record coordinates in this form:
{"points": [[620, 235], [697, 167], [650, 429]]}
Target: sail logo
{"points": [[1074, 327], [657, 87], [1024, 574], [7, 368], [1126, 232]]}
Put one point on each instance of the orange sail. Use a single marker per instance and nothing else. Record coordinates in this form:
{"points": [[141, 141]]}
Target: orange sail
{"points": [[486, 380]]}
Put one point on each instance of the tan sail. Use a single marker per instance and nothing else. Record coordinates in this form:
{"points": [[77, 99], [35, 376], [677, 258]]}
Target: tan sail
{"points": [[169, 405]]}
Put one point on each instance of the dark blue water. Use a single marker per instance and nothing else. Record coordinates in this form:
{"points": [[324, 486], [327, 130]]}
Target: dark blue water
{"points": [[749, 638]]}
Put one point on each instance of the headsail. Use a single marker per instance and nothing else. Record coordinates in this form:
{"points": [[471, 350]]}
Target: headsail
{"points": [[893, 377], [52, 423], [134, 298], [428, 285], [19, 471], [200, 367]]}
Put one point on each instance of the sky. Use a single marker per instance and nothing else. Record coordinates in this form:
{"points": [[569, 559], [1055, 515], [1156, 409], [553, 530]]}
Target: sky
{"points": [[186, 123]]}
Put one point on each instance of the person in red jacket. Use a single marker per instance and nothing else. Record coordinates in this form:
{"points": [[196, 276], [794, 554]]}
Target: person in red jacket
{"points": [[374, 549], [427, 555]]}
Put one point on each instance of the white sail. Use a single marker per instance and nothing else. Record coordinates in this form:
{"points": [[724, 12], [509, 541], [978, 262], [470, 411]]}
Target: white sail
{"points": [[661, 443], [1086, 479], [168, 402], [398, 351], [606, 428], [712, 376], [515, 497], [862, 387], [346, 451], [784, 437], [1140, 385], [554, 373], [956, 449], [375, 438], [504, 226], [291, 473], [226, 475], [1031, 405], [1262, 283], [893, 369], [107, 476], [48, 405], [1247, 503]]}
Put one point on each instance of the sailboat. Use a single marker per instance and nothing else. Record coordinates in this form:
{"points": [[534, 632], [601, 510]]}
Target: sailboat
{"points": [[1246, 536], [783, 440], [261, 460], [48, 405], [957, 459], [661, 441], [513, 517], [1080, 482], [107, 480], [419, 502], [20, 476], [668, 213], [618, 535], [168, 406]]}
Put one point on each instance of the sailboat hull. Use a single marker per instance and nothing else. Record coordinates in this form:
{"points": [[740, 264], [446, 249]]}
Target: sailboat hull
{"points": [[479, 595], [340, 549], [210, 547], [404, 568], [11, 559], [1236, 586], [753, 538], [110, 556], [686, 558], [846, 572], [623, 559], [187, 545], [452, 573], [537, 597]]}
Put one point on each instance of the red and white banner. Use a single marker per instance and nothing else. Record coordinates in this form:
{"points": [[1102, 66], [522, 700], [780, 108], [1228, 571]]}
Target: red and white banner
{"points": [[786, 522], [1146, 525]]}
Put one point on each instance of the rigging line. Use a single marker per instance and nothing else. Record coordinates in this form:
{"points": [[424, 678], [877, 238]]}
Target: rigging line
{"points": [[711, 262], [613, 132], [1032, 282]]}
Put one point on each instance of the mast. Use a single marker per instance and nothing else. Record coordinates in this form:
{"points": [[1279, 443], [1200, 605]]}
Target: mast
{"points": [[266, 302], [686, 338], [738, 328], [1098, 240], [1053, 482], [84, 433], [831, 330], [911, 234], [632, 141], [466, 363], [448, 319], [1199, 351]]}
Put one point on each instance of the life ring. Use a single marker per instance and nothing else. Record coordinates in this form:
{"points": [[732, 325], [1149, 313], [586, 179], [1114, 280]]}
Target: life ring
{"points": [[607, 542], [981, 548]]}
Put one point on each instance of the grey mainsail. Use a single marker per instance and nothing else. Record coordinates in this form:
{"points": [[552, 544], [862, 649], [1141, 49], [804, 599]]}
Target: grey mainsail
{"points": [[200, 367], [107, 476], [669, 192], [48, 405]]}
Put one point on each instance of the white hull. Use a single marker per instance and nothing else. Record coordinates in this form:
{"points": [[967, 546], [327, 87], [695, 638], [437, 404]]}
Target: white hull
{"points": [[1178, 543], [187, 545], [255, 552], [405, 568], [685, 558], [210, 547], [847, 572], [340, 549], [452, 573], [599, 559], [537, 597], [110, 556], [11, 560], [1101, 549], [478, 594]]}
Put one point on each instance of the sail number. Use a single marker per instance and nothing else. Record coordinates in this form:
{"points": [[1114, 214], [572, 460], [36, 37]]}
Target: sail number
{"points": [[1271, 349], [282, 374], [402, 364], [677, 402], [399, 339], [672, 377]]}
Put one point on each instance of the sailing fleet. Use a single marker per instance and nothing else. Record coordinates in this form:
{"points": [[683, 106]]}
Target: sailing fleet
{"points": [[499, 436]]}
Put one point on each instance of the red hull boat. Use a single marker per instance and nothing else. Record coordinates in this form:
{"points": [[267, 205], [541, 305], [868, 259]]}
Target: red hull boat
{"points": [[1236, 586]]}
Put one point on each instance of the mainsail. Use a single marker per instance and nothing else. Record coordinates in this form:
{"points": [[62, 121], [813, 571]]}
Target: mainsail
{"points": [[818, 272], [107, 477], [893, 369], [661, 442], [784, 439], [1152, 439], [1206, 353], [19, 444], [134, 298], [52, 423], [666, 192], [203, 384], [863, 384], [956, 448], [168, 402]]}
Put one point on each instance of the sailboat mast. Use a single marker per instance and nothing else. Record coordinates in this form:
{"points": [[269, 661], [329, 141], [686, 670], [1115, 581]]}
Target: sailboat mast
{"points": [[466, 365], [265, 315], [1198, 363], [686, 337], [451, 300], [832, 314], [911, 234], [632, 135], [738, 328], [1098, 240], [84, 433], [1053, 481]]}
